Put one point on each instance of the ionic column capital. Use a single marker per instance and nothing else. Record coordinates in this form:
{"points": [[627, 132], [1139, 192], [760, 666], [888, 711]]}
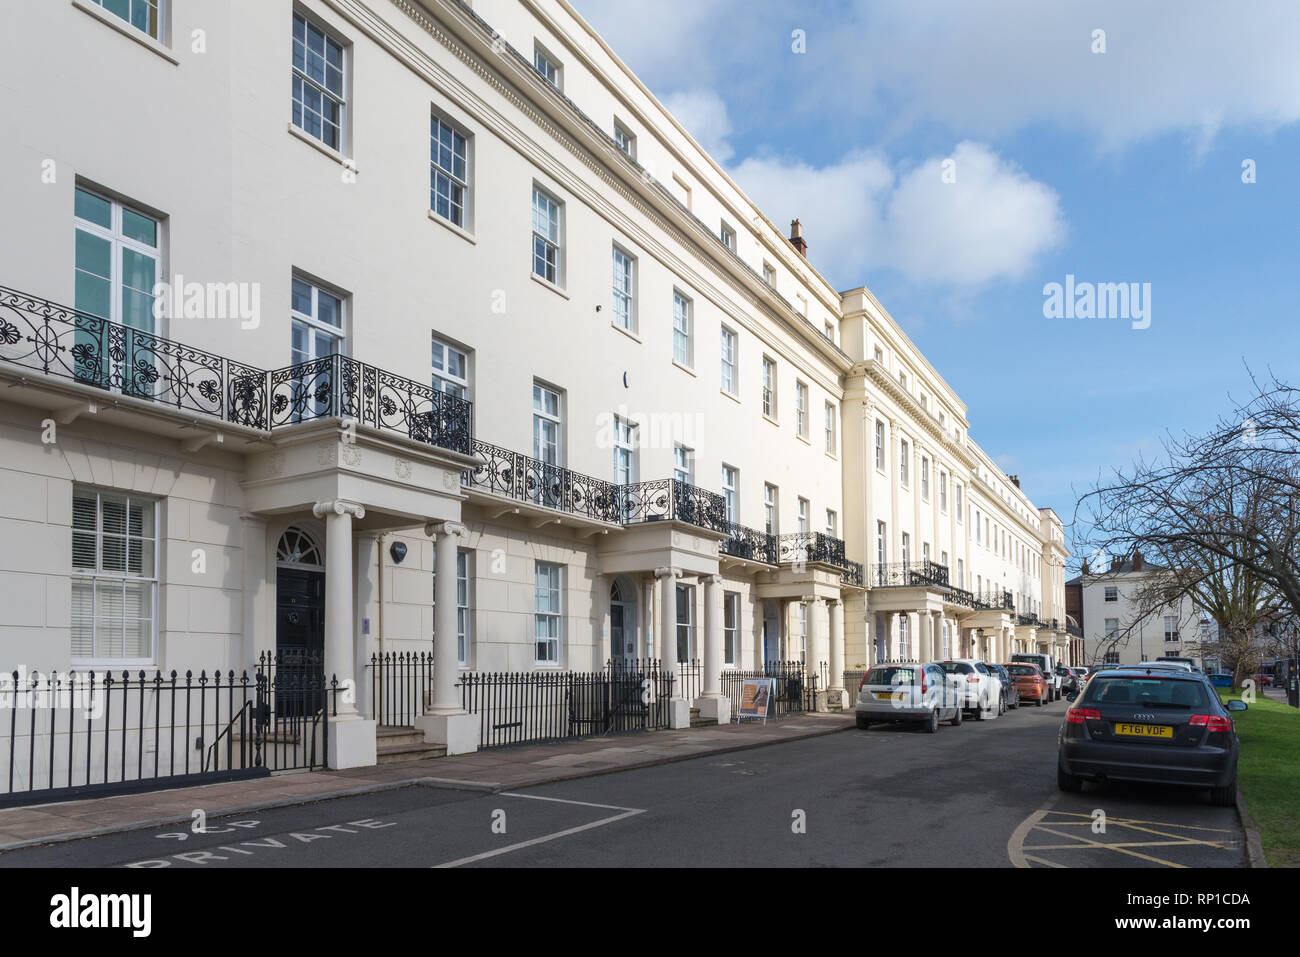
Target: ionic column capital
{"points": [[434, 529], [668, 572], [339, 507]]}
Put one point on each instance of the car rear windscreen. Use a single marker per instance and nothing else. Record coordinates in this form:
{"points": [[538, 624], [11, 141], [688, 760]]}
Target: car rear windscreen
{"points": [[1022, 669], [1147, 691], [891, 676], [957, 668]]}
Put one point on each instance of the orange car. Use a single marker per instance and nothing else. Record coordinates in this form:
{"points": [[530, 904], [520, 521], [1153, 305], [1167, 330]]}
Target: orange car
{"points": [[1030, 681]]}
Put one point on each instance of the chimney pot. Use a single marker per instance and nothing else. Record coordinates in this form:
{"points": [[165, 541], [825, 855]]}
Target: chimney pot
{"points": [[796, 238]]}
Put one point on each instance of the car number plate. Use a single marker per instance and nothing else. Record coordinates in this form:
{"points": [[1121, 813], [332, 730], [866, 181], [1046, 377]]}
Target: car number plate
{"points": [[1145, 730], [889, 696]]}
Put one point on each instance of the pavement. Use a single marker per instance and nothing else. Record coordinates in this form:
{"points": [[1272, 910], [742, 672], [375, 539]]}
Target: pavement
{"points": [[490, 770], [793, 794]]}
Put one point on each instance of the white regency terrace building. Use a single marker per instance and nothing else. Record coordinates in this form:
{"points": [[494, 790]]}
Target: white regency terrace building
{"points": [[447, 288]]}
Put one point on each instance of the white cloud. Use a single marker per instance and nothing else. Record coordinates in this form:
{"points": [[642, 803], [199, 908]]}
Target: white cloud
{"points": [[860, 217], [704, 115]]}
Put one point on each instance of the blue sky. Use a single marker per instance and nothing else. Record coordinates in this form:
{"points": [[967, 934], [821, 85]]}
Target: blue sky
{"points": [[1122, 166]]}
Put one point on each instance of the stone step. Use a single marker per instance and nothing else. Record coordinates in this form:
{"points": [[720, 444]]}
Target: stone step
{"points": [[391, 735], [400, 743]]}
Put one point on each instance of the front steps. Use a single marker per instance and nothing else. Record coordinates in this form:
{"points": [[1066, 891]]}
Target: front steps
{"points": [[396, 743], [698, 722]]}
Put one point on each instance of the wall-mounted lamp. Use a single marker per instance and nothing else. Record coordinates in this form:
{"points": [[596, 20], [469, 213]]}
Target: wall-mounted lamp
{"points": [[398, 551]]}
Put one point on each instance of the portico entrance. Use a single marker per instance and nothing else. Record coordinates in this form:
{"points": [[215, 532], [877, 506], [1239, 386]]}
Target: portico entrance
{"points": [[299, 598], [623, 621]]}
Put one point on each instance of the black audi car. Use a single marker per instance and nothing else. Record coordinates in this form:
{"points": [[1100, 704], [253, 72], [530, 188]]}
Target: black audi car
{"points": [[1140, 724]]}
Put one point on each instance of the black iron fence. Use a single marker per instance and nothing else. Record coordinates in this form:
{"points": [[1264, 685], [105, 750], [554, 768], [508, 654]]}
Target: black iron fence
{"points": [[399, 684], [529, 707], [74, 734], [795, 691], [852, 681]]}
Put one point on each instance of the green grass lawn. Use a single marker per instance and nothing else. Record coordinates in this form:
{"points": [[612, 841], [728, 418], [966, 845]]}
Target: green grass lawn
{"points": [[1269, 775]]}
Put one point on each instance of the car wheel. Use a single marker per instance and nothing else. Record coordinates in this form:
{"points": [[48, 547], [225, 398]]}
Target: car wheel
{"points": [[956, 717], [1070, 783], [863, 723], [1039, 701], [932, 722], [1002, 704], [1225, 796]]}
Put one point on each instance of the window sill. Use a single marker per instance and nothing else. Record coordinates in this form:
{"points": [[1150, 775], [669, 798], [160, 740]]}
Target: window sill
{"points": [[687, 369], [771, 420], [447, 224], [127, 30], [833, 457], [627, 332], [112, 665], [731, 395], [803, 438], [328, 151], [547, 284]]}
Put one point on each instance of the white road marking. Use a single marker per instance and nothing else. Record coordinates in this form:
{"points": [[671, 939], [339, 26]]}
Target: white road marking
{"points": [[626, 813]]}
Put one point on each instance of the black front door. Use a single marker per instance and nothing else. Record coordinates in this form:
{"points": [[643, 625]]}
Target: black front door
{"points": [[300, 614]]}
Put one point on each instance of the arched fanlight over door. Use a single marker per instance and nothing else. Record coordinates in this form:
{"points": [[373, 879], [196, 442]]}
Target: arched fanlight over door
{"points": [[296, 547]]}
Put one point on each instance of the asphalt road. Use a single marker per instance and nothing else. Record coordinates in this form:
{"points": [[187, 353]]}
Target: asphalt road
{"points": [[981, 795]]}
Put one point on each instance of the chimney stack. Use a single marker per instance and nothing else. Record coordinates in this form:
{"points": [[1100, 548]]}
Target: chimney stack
{"points": [[1015, 480], [1137, 561], [797, 240], [1085, 570]]}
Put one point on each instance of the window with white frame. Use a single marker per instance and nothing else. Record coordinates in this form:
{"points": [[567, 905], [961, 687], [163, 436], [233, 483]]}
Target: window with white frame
{"points": [[906, 555], [463, 560], [624, 290], [317, 328], [801, 409], [769, 388], [145, 15], [905, 636], [547, 425], [1171, 628], [682, 344], [829, 329], [804, 509], [548, 66], [319, 100], [624, 452], [903, 457], [114, 576], [925, 552], [770, 517], [830, 428], [1112, 593], [116, 270], [832, 523], [947, 637], [450, 369], [956, 496], [685, 623], [925, 478], [731, 492], [683, 464], [730, 628], [625, 140], [728, 345], [769, 274], [882, 544], [728, 237], [448, 171], [943, 490], [547, 612], [1112, 628], [879, 355], [880, 445], [546, 236], [801, 304], [961, 573]]}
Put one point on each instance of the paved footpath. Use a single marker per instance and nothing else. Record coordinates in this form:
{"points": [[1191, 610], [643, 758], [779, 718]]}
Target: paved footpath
{"points": [[490, 771]]}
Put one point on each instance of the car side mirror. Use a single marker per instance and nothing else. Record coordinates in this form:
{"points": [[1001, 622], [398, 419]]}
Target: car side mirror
{"points": [[1071, 696], [1236, 704]]}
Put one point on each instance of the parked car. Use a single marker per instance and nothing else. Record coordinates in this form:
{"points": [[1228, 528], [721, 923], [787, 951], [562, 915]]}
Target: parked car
{"points": [[1221, 679], [980, 689], [1046, 666], [1166, 664], [1010, 691], [1069, 683], [1031, 685], [1161, 726], [1190, 662], [907, 691]]}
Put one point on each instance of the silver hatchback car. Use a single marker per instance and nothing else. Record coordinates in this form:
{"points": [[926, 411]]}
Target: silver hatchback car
{"points": [[907, 691]]}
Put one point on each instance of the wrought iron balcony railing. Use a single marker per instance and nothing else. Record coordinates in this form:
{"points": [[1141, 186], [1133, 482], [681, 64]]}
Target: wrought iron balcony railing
{"points": [[750, 544], [60, 341], [811, 547], [1074, 630], [56, 340], [339, 387], [991, 600], [1029, 618], [852, 572], [909, 574], [526, 479], [670, 499]]}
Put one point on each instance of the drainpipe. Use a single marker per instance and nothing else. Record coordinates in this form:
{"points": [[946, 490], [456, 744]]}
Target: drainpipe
{"points": [[379, 617]]}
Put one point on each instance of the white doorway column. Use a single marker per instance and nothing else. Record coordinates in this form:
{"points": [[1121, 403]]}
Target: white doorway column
{"points": [[679, 709], [712, 704], [836, 608], [445, 721], [351, 737]]}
